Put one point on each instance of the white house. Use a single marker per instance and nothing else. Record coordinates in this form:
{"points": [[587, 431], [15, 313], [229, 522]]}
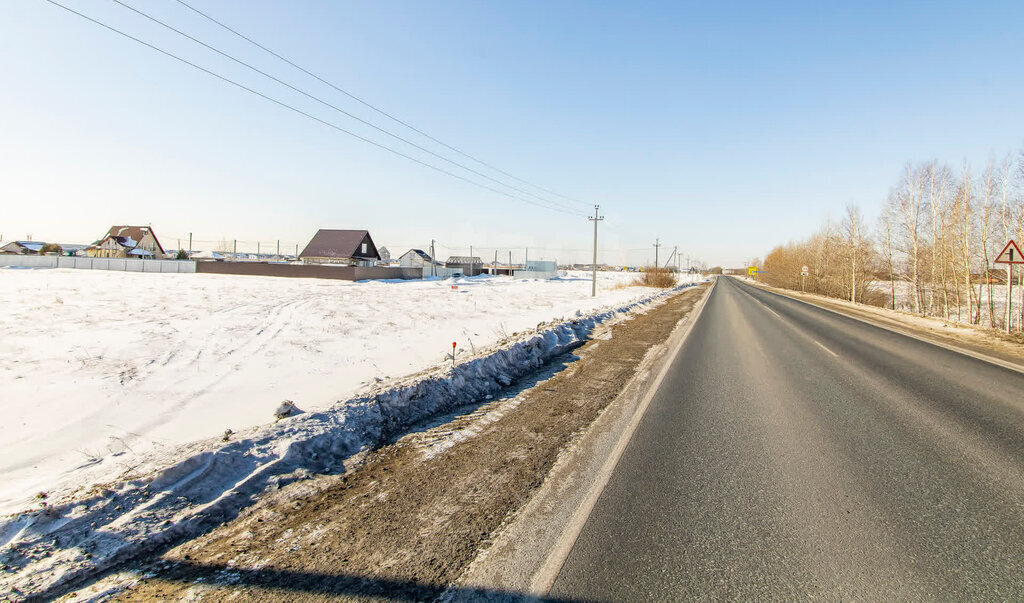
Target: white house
{"points": [[414, 258]]}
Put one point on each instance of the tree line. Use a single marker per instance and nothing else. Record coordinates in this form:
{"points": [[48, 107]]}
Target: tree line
{"points": [[932, 251]]}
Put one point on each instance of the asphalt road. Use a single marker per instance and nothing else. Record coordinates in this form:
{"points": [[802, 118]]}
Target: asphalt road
{"points": [[793, 453]]}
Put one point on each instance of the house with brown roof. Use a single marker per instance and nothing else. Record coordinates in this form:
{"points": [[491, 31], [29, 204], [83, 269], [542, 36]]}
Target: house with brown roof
{"points": [[127, 242], [344, 247]]}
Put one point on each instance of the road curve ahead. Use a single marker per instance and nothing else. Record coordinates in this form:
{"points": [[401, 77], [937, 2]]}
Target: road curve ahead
{"points": [[792, 453]]}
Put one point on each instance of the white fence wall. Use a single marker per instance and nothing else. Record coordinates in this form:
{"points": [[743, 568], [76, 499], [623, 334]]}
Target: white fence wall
{"points": [[115, 264], [545, 274], [441, 272]]}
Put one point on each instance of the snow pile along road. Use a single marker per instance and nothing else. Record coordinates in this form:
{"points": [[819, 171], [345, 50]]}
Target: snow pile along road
{"points": [[89, 529]]}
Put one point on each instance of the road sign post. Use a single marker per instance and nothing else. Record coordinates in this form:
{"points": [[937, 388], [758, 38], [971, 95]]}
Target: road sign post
{"points": [[1010, 255], [804, 271]]}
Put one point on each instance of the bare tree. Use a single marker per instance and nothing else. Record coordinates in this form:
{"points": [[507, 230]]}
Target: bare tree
{"points": [[989, 185], [907, 200], [853, 229], [965, 213], [1006, 218], [887, 220]]}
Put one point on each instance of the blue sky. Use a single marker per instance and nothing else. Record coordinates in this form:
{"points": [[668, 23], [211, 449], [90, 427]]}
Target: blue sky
{"points": [[723, 128]]}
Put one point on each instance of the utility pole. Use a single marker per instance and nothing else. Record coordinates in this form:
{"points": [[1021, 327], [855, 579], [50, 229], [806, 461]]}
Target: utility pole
{"points": [[279, 248], [657, 244], [526, 258], [671, 256], [597, 218], [234, 249], [190, 244], [433, 261], [495, 264]]}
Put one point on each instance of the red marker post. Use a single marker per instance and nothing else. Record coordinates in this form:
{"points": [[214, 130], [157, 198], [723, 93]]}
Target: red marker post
{"points": [[453, 354]]}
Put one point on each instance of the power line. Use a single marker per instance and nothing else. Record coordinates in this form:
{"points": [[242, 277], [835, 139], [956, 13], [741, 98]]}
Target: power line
{"points": [[336, 108], [305, 114], [374, 108]]}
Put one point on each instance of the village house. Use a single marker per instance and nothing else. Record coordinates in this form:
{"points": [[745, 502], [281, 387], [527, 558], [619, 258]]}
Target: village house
{"points": [[343, 247], [414, 258], [23, 247], [138, 242]]}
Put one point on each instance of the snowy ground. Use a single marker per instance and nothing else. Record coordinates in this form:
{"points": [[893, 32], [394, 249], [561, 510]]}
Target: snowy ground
{"points": [[98, 369], [905, 301], [113, 380]]}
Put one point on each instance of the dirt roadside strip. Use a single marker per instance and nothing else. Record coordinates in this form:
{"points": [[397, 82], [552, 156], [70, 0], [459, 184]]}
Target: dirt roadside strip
{"points": [[414, 516], [985, 344]]}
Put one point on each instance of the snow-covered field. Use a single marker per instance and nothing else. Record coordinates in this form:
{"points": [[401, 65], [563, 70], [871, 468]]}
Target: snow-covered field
{"points": [[117, 385], [98, 369]]}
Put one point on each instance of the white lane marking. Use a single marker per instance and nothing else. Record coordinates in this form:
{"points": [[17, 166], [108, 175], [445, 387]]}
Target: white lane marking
{"points": [[765, 306]]}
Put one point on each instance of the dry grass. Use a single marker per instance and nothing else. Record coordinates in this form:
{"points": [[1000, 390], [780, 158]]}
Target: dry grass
{"points": [[652, 276]]}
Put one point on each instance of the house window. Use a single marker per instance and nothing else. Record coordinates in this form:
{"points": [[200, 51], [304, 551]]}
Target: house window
{"points": [[364, 248]]}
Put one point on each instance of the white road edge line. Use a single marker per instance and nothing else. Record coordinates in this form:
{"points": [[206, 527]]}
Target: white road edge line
{"points": [[824, 348], [545, 577], [952, 348]]}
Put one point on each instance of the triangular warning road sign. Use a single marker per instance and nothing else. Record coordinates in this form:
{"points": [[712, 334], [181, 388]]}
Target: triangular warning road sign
{"points": [[1010, 255]]}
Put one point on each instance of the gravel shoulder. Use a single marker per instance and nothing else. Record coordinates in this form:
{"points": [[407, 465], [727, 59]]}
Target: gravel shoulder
{"points": [[410, 519]]}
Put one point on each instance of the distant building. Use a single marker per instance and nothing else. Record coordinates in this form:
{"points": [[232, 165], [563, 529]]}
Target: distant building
{"points": [[137, 242], [385, 254], [468, 265], [72, 249], [344, 247], [414, 258], [207, 255], [538, 269], [23, 247]]}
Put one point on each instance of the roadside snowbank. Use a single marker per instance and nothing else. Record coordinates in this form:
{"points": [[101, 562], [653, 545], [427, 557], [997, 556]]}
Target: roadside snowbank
{"points": [[90, 529]]}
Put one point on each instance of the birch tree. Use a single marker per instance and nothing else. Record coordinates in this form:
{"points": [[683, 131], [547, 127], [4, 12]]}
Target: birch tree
{"points": [[852, 227]]}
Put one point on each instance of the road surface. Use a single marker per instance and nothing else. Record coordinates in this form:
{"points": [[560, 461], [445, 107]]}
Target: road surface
{"points": [[792, 452]]}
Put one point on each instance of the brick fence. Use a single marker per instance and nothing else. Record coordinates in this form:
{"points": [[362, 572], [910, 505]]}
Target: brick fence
{"points": [[345, 273]]}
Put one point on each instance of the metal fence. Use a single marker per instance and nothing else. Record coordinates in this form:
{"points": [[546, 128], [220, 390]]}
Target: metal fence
{"points": [[115, 264]]}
